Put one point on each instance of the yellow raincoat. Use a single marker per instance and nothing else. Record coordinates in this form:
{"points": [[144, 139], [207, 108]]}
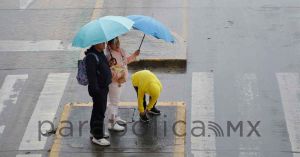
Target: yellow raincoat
{"points": [[147, 83]]}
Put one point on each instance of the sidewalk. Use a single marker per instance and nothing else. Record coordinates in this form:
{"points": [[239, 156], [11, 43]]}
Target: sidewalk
{"points": [[154, 139]]}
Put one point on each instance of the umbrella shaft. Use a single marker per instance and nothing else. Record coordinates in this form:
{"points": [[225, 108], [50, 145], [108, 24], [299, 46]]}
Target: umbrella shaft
{"points": [[142, 42]]}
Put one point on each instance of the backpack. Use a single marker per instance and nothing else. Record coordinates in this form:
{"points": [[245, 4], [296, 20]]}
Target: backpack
{"points": [[81, 77]]}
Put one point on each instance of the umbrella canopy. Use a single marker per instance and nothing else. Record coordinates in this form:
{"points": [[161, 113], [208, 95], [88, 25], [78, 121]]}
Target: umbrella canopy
{"points": [[152, 27], [101, 30]]}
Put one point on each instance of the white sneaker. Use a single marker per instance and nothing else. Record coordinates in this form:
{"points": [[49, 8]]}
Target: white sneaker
{"points": [[106, 135], [115, 127], [121, 121], [101, 142]]}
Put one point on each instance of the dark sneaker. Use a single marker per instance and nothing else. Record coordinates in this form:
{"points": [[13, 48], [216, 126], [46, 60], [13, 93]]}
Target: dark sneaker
{"points": [[144, 118], [154, 111]]}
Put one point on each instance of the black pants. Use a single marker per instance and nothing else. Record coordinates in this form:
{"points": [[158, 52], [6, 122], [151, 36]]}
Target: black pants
{"points": [[98, 113], [144, 99]]}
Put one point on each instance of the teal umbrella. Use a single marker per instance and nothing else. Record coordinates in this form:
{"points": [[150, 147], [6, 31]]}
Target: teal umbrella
{"points": [[101, 30]]}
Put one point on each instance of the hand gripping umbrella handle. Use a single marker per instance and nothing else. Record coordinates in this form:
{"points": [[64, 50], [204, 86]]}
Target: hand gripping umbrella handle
{"points": [[141, 42]]}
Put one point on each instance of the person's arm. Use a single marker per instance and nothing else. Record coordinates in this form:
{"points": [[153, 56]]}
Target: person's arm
{"points": [[140, 100], [91, 70], [133, 56]]}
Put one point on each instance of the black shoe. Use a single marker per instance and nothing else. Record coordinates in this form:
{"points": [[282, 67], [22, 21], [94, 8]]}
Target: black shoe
{"points": [[144, 118], [154, 111]]}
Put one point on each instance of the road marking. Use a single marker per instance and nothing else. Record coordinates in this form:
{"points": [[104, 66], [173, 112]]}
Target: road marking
{"points": [[10, 91], [55, 149], [248, 109], [180, 115], [29, 155], [25, 45], [2, 127], [203, 108], [179, 149], [45, 109], [97, 9], [248, 90], [131, 104], [289, 85], [250, 154], [25, 3]]}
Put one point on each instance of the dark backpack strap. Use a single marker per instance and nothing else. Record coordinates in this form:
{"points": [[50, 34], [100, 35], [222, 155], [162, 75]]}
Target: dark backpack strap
{"points": [[97, 59]]}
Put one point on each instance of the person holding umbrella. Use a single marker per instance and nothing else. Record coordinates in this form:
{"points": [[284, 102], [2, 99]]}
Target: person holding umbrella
{"points": [[96, 67], [99, 77], [118, 60], [145, 82]]}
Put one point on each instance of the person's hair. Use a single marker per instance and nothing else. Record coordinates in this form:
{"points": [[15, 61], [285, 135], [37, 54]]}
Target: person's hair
{"points": [[113, 41]]}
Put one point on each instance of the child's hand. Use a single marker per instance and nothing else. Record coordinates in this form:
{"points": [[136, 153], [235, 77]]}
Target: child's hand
{"points": [[121, 78], [114, 74], [121, 81]]}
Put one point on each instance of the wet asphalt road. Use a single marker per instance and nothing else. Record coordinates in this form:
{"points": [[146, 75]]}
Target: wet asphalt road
{"points": [[250, 48]]}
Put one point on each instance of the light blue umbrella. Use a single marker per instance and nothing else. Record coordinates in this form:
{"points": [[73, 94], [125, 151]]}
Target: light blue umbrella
{"points": [[150, 26], [101, 30]]}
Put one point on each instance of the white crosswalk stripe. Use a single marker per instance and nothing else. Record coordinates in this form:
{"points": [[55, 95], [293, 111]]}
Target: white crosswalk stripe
{"points": [[35, 46], [2, 127], [203, 109], [250, 154], [25, 45], [29, 155], [25, 3], [289, 85], [45, 109], [9, 92], [248, 109]]}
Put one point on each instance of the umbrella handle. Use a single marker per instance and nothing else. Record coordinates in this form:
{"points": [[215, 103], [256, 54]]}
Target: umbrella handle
{"points": [[142, 42]]}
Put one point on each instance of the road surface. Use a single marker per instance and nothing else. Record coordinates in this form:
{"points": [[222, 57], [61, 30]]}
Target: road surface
{"points": [[242, 73]]}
